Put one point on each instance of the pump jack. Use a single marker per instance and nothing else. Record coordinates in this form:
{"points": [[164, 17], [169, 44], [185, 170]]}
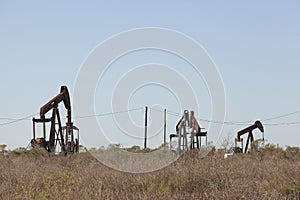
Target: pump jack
{"points": [[250, 138], [68, 144], [188, 125]]}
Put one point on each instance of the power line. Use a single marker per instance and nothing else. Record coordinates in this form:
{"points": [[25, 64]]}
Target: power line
{"points": [[283, 124], [10, 119], [176, 114], [109, 113], [14, 120], [171, 113], [168, 112], [250, 122], [242, 122], [17, 120], [281, 116], [226, 122]]}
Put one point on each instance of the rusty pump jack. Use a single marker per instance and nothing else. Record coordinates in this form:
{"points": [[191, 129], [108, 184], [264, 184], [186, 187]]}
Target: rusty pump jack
{"points": [[250, 138], [68, 144], [188, 125]]}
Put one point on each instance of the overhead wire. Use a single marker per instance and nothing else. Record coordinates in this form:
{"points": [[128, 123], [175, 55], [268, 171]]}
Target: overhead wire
{"points": [[281, 116], [17, 120], [10, 119], [14, 120], [283, 123], [171, 113], [108, 113], [176, 114]]}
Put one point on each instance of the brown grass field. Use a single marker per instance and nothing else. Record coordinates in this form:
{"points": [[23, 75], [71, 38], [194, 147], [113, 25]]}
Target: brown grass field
{"points": [[270, 174]]}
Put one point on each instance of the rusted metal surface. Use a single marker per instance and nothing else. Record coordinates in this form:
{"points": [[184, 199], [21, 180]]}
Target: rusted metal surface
{"points": [[58, 135]]}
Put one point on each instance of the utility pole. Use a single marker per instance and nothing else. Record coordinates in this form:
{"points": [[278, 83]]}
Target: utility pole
{"points": [[146, 116], [165, 127]]}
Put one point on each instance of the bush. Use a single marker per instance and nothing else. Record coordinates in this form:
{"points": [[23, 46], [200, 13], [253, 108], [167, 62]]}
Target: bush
{"points": [[40, 175]]}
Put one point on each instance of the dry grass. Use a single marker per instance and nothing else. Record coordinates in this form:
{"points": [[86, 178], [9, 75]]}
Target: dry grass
{"points": [[271, 174]]}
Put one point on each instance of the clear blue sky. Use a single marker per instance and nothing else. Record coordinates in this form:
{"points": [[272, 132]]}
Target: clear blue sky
{"points": [[255, 44]]}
